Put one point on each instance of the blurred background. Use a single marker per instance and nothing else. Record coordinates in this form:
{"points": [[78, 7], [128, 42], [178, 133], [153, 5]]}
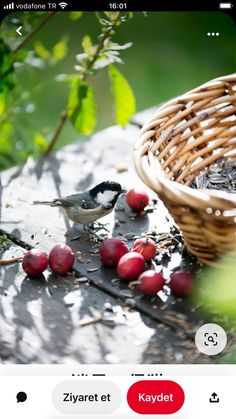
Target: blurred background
{"points": [[171, 53]]}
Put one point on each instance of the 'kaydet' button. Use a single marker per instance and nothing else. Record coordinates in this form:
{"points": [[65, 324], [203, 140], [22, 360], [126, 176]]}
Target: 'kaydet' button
{"points": [[155, 397]]}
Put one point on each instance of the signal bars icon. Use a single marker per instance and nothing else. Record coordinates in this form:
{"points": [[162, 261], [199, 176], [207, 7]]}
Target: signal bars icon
{"points": [[9, 6], [63, 5]]}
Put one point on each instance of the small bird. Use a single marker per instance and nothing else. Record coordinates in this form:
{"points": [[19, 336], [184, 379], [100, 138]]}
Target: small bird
{"points": [[87, 207]]}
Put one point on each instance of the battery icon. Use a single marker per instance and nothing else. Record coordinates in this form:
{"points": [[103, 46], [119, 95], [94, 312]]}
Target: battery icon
{"points": [[225, 5]]}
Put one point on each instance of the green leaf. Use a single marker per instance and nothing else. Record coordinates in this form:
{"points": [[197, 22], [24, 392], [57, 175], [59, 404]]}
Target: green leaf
{"points": [[82, 107], [6, 129], [125, 104], [41, 51], [7, 155], [112, 15], [87, 45], [75, 15], [60, 49], [116, 47], [105, 22], [104, 60], [3, 99], [40, 142], [5, 242], [6, 76]]}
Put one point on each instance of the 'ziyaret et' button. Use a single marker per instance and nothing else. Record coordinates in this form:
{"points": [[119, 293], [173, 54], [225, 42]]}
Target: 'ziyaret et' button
{"points": [[155, 397]]}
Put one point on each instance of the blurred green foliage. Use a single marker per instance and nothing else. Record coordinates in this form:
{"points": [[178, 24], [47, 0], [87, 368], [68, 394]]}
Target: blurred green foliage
{"points": [[171, 53], [217, 295], [81, 106], [58, 52], [218, 291]]}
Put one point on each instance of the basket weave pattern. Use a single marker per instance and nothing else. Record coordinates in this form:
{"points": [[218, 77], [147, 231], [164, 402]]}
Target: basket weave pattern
{"points": [[185, 136]]}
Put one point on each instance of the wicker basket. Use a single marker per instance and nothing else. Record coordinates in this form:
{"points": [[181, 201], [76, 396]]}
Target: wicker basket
{"points": [[186, 135]]}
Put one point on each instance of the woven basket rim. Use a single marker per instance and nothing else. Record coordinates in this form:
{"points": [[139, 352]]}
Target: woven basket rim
{"points": [[177, 99], [196, 198]]}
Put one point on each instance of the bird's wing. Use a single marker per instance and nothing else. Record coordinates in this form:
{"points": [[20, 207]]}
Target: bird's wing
{"points": [[83, 200]]}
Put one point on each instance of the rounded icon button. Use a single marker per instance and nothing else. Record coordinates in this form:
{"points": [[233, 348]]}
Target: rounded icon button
{"points": [[210, 339], [159, 397], [21, 397], [86, 397]]}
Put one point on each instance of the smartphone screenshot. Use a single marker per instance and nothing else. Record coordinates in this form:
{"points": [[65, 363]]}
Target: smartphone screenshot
{"points": [[117, 210]]}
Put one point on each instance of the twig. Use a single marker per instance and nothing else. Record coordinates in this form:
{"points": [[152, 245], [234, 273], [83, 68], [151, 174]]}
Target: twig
{"points": [[100, 46], [34, 31], [92, 320], [56, 134], [10, 261]]}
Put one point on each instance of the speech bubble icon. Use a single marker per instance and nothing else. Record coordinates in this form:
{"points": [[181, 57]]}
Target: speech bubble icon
{"points": [[21, 397]]}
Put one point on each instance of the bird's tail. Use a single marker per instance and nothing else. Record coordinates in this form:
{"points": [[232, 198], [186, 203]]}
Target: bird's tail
{"points": [[51, 203]]}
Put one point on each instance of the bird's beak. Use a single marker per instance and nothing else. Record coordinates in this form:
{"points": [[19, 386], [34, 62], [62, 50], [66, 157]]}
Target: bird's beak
{"points": [[123, 190]]}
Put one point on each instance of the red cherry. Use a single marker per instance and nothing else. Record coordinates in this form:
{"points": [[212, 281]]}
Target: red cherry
{"points": [[111, 250], [34, 262], [182, 284], [130, 266], [150, 282], [61, 259], [146, 247], [137, 199]]}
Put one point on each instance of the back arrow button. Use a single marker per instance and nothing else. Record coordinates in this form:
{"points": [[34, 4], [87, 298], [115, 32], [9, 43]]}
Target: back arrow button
{"points": [[18, 30]]}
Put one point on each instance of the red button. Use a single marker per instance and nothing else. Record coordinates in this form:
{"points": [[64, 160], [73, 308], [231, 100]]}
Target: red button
{"points": [[160, 397]]}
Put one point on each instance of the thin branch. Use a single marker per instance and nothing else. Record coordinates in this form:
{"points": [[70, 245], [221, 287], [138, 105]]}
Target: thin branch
{"points": [[91, 320], [5, 262], [99, 48], [34, 31], [57, 132], [101, 43]]}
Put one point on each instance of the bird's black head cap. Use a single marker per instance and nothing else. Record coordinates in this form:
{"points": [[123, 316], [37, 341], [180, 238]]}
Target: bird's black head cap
{"points": [[107, 186]]}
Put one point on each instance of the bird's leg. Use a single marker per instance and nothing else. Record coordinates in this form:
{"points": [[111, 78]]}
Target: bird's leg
{"points": [[90, 229], [100, 226]]}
